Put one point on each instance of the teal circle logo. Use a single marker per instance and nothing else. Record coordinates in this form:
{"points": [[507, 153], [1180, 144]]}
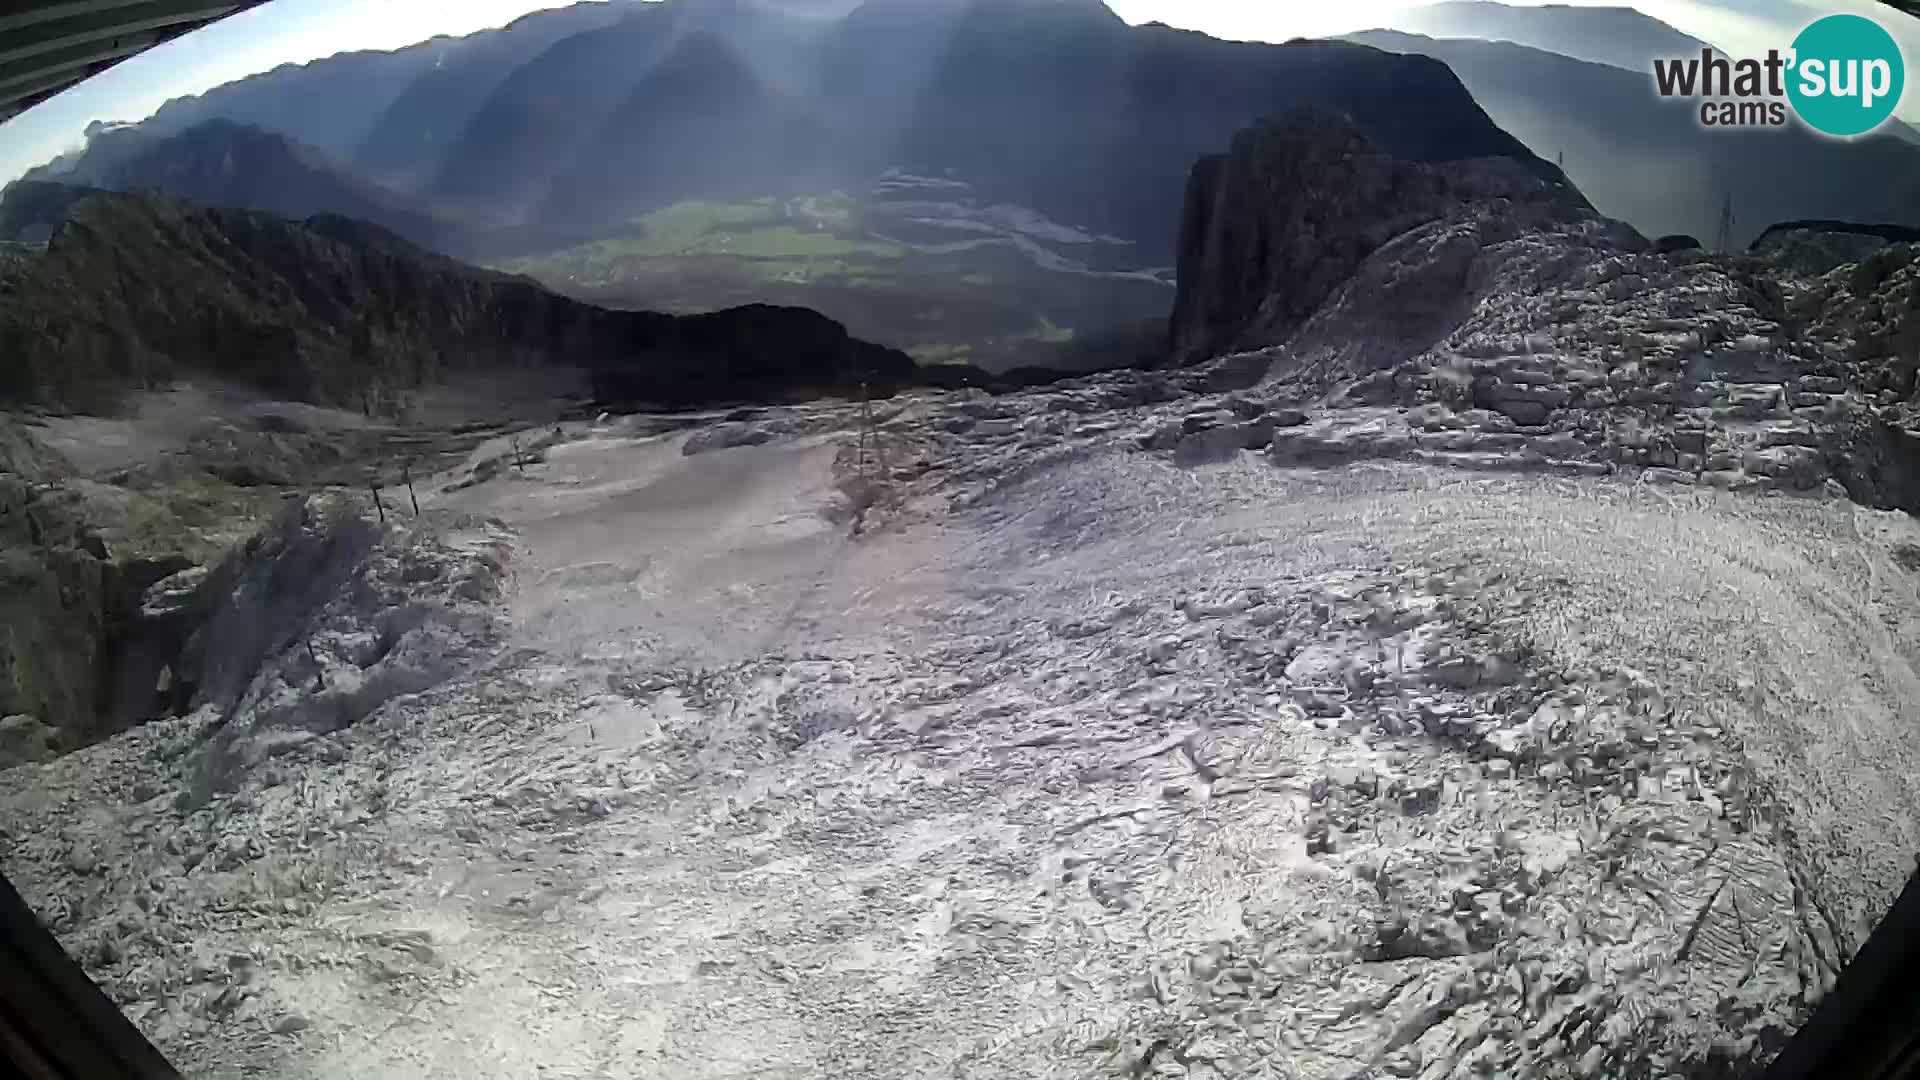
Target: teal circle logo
{"points": [[1848, 75]]}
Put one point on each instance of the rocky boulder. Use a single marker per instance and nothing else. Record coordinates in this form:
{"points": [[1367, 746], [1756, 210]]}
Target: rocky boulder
{"points": [[324, 616], [1676, 242], [1815, 247]]}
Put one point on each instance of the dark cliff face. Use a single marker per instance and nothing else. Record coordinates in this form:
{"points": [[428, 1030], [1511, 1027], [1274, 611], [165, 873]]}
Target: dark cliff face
{"points": [[1271, 228], [136, 289], [328, 103]]}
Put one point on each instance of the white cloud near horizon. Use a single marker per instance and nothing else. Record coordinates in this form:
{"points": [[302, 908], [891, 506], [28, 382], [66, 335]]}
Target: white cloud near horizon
{"points": [[297, 31]]}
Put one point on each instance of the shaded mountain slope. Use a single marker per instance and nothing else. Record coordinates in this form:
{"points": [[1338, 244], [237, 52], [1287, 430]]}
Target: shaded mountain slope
{"points": [[385, 100], [547, 118], [136, 289], [329, 103], [1057, 105], [1648, 161], [410, 137], [223, 163], [734, 136], [538, 119]]}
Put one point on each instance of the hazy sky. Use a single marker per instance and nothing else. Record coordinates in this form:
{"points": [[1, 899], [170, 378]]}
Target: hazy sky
{"points": [[284, 31]]}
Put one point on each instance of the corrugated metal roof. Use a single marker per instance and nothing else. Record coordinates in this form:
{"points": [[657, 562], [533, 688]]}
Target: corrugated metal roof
{"points": [[48, 45]]}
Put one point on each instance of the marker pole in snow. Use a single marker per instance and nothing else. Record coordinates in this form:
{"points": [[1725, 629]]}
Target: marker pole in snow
{"points": [[374, 486], [406, 474], [319, 673], [866, 422]]}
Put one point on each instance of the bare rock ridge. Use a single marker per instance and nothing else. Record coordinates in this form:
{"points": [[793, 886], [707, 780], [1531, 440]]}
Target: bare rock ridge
{"points": [[1273, 226], [1490, 321], [341, 311]]}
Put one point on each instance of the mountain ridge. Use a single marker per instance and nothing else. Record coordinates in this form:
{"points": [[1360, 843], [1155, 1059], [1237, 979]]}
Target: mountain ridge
{"points": [[1619, 37], [1647, 160], [226, 163], [962, 88], [343, 312]]}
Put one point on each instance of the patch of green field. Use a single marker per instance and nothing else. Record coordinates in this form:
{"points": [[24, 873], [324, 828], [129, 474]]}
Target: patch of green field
{"points": [[940, 352], [860, 272], [990, 306], [791, 242], [755, 230], [1051, 333]]}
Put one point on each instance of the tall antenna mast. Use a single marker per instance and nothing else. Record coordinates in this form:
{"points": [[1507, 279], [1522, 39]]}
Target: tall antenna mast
{"points": [[1726, 223]]}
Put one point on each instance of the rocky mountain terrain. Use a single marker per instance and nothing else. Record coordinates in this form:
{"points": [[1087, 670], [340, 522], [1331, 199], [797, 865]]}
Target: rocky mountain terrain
{"points": [[223, 163], [134, 295], [1492, 655], [826, 98], [375, 99], [343, 312], [1755, 375], [1289, 214], [875, 161], [743, 127], [542, 122]]}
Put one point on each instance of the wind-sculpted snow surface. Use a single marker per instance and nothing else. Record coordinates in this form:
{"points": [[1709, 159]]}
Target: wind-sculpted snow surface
{"points": [[1079, 760]]}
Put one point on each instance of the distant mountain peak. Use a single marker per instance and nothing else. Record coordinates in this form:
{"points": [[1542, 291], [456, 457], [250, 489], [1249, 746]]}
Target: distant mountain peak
{"points": [[1621, 37], [226, 162], [1088, 11]]}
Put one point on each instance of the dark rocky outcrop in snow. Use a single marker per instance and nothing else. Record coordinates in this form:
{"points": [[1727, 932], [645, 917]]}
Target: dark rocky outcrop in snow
{"points": [[1815, 247], [1275, 225]]}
